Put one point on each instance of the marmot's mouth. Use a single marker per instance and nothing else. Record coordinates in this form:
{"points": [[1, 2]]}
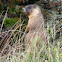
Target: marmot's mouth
{"points": [[24, 10]]}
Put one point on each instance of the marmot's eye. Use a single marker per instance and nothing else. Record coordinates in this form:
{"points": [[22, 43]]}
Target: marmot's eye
{"points": [[29, 7]]}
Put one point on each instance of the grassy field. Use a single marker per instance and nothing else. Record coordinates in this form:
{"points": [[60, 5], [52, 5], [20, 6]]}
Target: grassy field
{"points": [[14, 49]]}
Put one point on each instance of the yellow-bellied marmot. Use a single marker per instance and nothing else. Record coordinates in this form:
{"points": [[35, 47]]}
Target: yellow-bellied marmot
{"points": [[35, 25]]}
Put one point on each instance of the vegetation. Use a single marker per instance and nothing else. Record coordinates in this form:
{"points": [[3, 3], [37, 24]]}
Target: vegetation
{"points": [[14, 49], [1, 7], [9, 22]]}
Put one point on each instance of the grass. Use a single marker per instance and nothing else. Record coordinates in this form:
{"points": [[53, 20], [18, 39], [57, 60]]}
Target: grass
{"points": [[35, 53]]}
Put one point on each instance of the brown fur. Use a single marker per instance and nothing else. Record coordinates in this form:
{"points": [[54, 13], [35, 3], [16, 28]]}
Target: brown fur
{"points": [[35, 25]]}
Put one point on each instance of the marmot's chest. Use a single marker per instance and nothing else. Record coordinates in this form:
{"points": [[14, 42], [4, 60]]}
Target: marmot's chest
{"points": [[34, 23]]}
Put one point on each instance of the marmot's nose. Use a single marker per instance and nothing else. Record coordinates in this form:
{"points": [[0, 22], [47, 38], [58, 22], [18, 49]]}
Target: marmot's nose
{"points": [[23, 9]]}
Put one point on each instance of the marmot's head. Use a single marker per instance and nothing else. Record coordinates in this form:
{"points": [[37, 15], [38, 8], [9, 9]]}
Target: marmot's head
{"points": [[31, 9]]}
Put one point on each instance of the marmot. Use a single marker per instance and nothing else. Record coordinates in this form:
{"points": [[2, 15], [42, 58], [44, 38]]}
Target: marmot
{"points": [[35, 25]]}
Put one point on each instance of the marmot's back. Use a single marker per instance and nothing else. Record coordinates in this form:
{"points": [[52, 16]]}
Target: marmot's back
{"points": [[35, 25]]}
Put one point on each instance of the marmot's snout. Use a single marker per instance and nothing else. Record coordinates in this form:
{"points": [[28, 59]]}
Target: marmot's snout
{"points": [[23, 9], [27, 10]]}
